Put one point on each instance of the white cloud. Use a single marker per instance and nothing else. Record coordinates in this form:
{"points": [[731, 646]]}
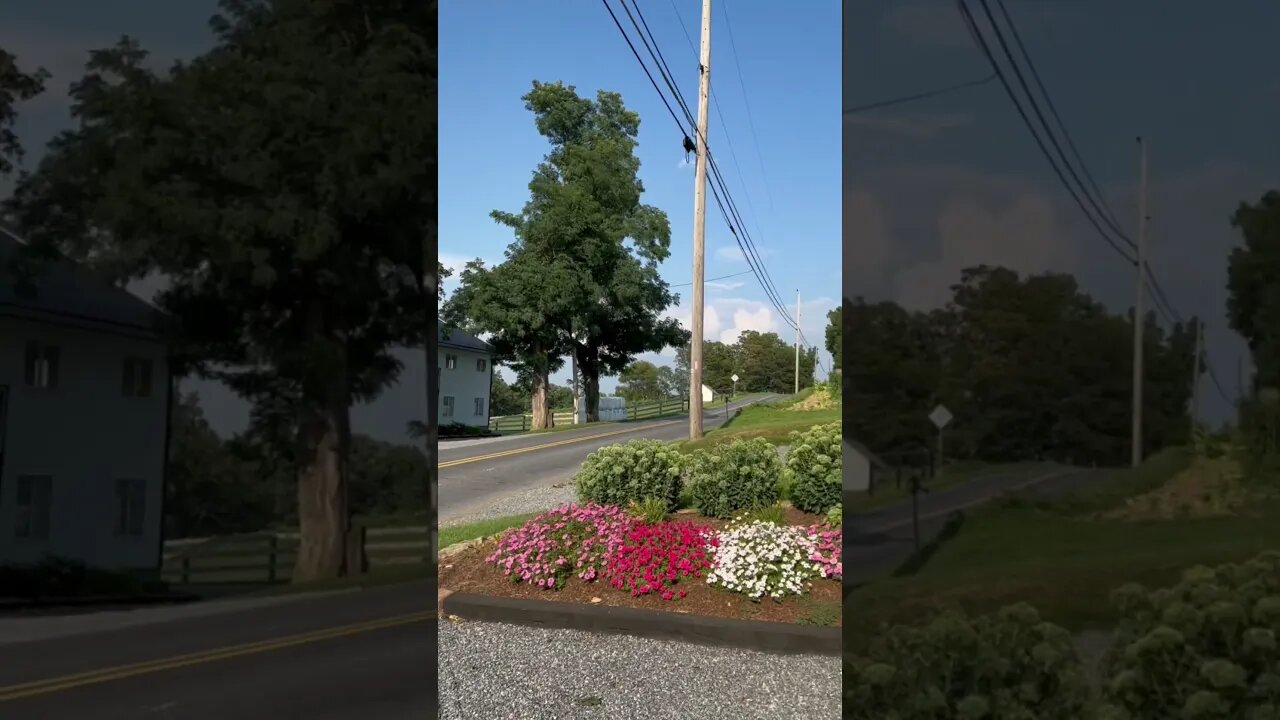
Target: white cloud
{"points": [[730, 254], [723, 286]]}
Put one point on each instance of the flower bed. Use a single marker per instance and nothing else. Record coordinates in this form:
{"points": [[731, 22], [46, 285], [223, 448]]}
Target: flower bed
{"points": [[689, 563]]}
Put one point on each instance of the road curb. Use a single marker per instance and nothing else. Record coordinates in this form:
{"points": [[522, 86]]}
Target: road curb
{"points": [[769, 637], [53, 603]]}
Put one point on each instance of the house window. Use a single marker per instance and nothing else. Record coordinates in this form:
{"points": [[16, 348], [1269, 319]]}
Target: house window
{"points": [[480, 407], [131, 506], [448, 406], [35, 495], [136, 381], [482, 365], [450, 362], [42, 365]]}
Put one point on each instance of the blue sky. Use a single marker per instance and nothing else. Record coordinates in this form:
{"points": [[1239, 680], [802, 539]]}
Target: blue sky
{"points": [[788, 193], [933, 186]]}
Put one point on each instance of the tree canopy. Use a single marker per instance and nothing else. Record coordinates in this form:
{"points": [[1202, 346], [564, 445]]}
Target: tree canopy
{"points": [[283, 185], [1031, 367]]}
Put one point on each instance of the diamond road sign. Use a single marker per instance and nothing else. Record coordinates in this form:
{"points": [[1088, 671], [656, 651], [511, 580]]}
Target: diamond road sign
{"points": [[735, 377], [940, 416]]}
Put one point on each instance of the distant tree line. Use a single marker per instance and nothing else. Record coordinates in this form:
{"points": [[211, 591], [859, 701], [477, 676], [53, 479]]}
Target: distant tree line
{"points": [[247, 483], [1031, 368]]}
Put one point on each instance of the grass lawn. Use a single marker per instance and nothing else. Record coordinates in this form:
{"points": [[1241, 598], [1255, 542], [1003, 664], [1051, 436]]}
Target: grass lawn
{"points": [[376, 577], [470, 531], [888, 493], [1062, 557], [773, 422]]}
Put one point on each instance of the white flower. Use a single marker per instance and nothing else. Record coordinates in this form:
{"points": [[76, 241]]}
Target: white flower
{"points": [[763, 558]]}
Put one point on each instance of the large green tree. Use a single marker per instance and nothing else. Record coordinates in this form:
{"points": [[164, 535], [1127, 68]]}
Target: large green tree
{"points": [[641, 380], [283, 184], [585, 213], [1253, 285], [834, 336]]}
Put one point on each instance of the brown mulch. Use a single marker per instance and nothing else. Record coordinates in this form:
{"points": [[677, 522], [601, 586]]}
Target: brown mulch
{"points": [[468, 572]]}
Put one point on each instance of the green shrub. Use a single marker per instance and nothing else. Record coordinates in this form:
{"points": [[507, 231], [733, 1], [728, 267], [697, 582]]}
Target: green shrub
{"points": [[651, 510], [640, 469], [1005, 666], [1205, 648], [741, 475], [835, 516], [813, 464]]}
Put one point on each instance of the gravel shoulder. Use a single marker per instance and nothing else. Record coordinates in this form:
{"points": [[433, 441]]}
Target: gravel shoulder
{"points": [[494, 671]]}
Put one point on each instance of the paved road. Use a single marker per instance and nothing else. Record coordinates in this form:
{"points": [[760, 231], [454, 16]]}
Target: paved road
{"points": [[879, 541], [365, 654], [474, 473]]}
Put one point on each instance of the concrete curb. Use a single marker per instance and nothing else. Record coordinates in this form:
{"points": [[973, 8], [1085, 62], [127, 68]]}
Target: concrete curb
{"points": [[769, 637]]}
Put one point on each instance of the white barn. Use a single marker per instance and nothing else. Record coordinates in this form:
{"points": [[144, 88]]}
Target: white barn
{"points": [[464, 369], [85, 393]]}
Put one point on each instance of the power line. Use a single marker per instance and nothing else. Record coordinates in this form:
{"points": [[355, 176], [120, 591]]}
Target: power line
{"points": [[722, 277], [972, 24], [1109, 216], [733, 48], [918, 96], [726, 204]]}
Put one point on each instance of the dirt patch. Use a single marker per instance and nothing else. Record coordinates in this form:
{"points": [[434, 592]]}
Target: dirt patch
{"points": [[1208, 487], [468, 572]]}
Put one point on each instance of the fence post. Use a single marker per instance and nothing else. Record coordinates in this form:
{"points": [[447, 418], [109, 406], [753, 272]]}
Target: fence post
{"points": [[273, 548], [357, 558], [524, 423], [186, 569]]}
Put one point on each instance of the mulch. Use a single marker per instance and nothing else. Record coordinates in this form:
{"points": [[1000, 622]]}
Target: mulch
{"points": [[468, 572]]}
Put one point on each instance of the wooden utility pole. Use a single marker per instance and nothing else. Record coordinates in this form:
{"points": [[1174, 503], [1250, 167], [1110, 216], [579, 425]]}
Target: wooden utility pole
{"points": [[797, 340], [1139, 319], [1195, 375], [573, 383], [699, 226]]}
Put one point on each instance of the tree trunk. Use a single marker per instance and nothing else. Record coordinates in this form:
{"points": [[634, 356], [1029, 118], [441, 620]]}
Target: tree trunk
{"points": [[588, 356], [323, 510], [541, 410]]}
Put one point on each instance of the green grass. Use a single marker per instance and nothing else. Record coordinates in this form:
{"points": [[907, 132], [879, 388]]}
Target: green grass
{"points": [[1062, 558], [772, 422], [470, 531], [888, 493], [378, 577]]}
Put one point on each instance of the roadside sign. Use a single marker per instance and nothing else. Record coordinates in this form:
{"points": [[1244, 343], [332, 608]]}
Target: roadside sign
{"points": [[734, 377], [940, 417]]}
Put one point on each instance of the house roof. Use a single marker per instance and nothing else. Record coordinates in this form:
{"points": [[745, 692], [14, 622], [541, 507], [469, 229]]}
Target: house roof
{"points": [[69, 290], [872, 457], [461, 339]]}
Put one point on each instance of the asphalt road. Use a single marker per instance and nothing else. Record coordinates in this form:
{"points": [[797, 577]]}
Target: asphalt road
{"points": [[363, 654], [473, 473], [879, 541]]}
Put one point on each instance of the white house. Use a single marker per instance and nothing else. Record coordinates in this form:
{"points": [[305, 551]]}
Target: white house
{"points": [[859, 467], [465, 371], [84, 401]]}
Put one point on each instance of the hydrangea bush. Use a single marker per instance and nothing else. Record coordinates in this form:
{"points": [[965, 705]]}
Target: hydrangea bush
{"points": [[814, 464], [1006, 666], [761, 559], [1205, 648], [569, 540], [631, 472], [740, 475]]}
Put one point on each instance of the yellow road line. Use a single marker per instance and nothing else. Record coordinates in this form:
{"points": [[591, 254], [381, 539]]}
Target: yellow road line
{"points": [[93, 677], [544, 446]]}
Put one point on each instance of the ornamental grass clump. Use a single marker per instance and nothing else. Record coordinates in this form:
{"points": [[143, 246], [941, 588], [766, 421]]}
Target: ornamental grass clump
{"points": [[638, 471], [569, 540], [1205, 648], [761, 559], [653, 558]]}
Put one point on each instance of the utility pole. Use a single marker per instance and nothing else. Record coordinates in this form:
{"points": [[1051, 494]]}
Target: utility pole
{"points": [[699, 226], [1239, 380], [573, 382], [1138, 314], [797, 340], [1195, 375]]}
